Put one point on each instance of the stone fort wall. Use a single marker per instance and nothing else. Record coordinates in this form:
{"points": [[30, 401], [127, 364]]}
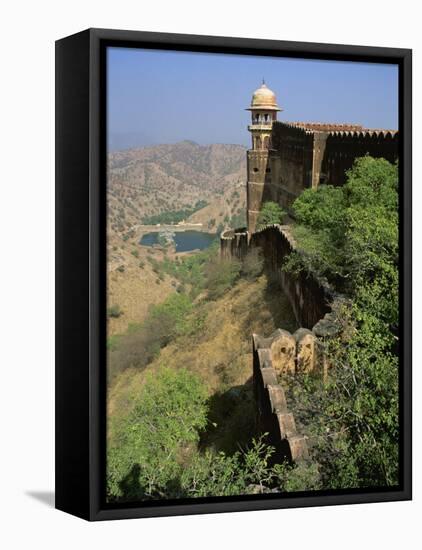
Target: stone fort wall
{"points": [[282, 352], [273, 416], [305, 155], [310, 297]]}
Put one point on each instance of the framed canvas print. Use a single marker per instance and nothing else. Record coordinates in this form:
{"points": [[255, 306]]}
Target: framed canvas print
{"points": [[233, 274]]}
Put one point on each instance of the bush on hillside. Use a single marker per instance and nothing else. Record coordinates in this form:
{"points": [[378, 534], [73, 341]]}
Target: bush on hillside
{"points": [[253, 264], [221, 275], [166, 420]]}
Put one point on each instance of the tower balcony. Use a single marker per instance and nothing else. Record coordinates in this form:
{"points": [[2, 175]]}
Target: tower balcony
{"points": [[260, 126]]}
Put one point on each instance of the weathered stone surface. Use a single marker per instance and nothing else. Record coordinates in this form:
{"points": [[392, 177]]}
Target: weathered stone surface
{"points": [[269, 376], [277, 398], [298, 448], [287, 425], [283, 351], [327, 327], [273, 416], [264, 355], [306, 353]]}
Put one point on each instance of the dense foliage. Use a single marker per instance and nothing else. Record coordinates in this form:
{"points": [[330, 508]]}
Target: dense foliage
{"points": [[350, 236], [155, 454], [270, 213]]}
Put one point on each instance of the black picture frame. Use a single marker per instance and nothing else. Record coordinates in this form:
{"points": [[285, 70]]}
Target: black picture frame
{"points": [[80, 269]]}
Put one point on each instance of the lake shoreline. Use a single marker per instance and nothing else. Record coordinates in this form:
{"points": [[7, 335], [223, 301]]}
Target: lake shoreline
{"points": [[182, 241]]}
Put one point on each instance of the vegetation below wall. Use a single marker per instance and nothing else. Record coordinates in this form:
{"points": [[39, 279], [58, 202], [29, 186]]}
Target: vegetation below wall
{"points": [[350, 236], [174, 216], [181, 408], [271, 214], [157, 454]]}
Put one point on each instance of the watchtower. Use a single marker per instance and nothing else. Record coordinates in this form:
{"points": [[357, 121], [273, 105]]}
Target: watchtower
{"points": [[264, 110]]}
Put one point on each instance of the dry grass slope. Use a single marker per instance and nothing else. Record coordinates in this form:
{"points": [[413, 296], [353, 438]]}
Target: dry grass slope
{"points": [[153, 180], [221, 352]]}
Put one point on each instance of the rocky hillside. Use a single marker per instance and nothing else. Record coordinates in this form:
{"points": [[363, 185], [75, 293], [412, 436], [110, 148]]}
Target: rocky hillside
{"points": [[153, 180], [220, 352]]}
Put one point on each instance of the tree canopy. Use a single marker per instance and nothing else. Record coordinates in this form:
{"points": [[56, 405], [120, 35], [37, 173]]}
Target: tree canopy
{"points": [[270, 213], [350, 236]]}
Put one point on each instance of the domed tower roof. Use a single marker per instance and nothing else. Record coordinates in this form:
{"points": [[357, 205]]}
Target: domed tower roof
{"points": [[264, 99]]}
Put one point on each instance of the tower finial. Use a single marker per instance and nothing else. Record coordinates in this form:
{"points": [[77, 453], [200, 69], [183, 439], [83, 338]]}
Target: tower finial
{"points": [[263, 81]]}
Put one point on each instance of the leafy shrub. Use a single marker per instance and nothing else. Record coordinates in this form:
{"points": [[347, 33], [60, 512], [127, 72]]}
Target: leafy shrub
{"points": [[350, 235], [142, 342], [253, 264], [169, 319], [168, 415], [221, 276], [271, 213]]}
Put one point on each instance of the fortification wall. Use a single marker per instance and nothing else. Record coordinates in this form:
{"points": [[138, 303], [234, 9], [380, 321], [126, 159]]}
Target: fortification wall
{"points": [[308, 154], [285, 353], [280, 354], [273, 416], [292, 162], [309, 297], [234, 243], [343, 147]]}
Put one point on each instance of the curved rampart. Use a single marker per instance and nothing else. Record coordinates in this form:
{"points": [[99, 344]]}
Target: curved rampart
{"points": [[282, 352], [234, 243], [309, 296]]}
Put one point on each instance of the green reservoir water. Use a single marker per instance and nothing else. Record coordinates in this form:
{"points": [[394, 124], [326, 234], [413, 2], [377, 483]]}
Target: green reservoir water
{"points": [[183, 240]]}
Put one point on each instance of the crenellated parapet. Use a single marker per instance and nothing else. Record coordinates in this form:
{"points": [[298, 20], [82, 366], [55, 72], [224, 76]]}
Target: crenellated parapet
{"points": [[234, 243], [273, 416], [309, 296], [283, 353], [308, 154]]}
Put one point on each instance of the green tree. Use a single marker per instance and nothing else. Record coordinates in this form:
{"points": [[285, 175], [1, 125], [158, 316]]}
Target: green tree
{"points": [[350, 235], [221, 275], [271, 213], [168, 415], [169, 319]]}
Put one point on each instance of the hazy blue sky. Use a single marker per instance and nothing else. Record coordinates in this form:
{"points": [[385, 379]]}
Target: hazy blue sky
{"points": [[163, 97]]}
